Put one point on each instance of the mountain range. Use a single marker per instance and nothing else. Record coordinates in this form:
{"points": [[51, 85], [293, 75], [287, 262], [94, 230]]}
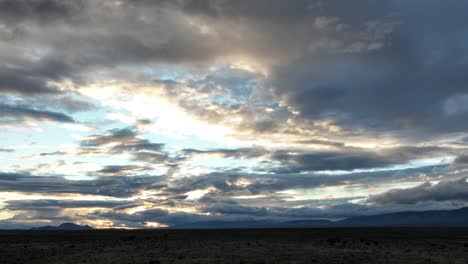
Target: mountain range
{"points": [[64, 227], [435, 218]]}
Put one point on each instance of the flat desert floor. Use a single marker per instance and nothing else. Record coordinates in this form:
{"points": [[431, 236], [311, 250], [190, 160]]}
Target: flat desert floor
{"points": [[371, 245]]}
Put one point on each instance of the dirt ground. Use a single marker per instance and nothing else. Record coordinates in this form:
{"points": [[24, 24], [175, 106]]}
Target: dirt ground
{"points": [[372, 245]]}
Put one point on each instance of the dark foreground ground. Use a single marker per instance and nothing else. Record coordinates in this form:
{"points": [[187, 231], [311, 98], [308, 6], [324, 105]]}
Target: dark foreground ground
{"points": [[429, 245]]}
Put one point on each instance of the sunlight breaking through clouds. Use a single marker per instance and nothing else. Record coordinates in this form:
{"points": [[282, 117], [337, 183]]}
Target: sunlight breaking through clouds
{"points": [[154, 114]]}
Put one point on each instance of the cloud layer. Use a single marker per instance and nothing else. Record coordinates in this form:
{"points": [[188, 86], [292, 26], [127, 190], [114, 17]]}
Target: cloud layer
{"points": [[126, 113]]}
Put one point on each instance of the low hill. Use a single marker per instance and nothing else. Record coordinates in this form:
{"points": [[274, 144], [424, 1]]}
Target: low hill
{"points": [[64, 226]]}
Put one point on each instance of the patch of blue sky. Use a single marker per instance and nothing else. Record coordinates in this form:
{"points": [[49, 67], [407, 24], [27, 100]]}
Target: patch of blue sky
{"points": [[419, 163], [187, 142], [165, 73], [47, 138], [216, 163]]}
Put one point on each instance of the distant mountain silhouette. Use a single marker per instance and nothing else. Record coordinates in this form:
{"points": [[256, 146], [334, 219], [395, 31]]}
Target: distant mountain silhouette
{"points": [[64, 226], [439, 218], [253, 224], [436, 218]]}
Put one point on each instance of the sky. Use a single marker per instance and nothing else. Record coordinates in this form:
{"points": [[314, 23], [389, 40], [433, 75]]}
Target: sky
{"points": [[148, 114]]}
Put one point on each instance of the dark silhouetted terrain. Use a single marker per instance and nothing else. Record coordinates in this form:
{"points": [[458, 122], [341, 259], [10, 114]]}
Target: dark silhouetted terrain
{"points": [[64, 226], [435, 218], [322, 245]]}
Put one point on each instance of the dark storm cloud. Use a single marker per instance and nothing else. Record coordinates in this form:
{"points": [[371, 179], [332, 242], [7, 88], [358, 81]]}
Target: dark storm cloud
{"points": [[118, 186], [19, 113], [407, 85], [456, 190]]}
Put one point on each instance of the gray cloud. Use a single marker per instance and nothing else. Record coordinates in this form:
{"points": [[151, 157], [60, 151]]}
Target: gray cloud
{"points": [[117, 186], [6, 150], [360, 89], [367, 70], [456, 190], [345, 158], [42, 11], [237, 153], [10, 113], [116, 135], [270, 183], [237, 210], [22, 205], [55, 153], [124, 170], [297, 162], [350, 158], [364, 56], [33, 77], [126, 139], [461, 160]]}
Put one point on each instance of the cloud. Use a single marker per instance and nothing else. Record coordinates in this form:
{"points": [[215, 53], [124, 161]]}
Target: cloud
{"points": [[456, 190], [297, 162], [359, 90], [116, 135], [361, 98], [461, 160], [125, 139], [42, 11], [12, 113], [55, 153], [354, 47], [237, 210], [30, 205], [237, 153], [6, 150], [227, 182], [124, 170], [31, 78], [348, 159], [118, 186]]}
